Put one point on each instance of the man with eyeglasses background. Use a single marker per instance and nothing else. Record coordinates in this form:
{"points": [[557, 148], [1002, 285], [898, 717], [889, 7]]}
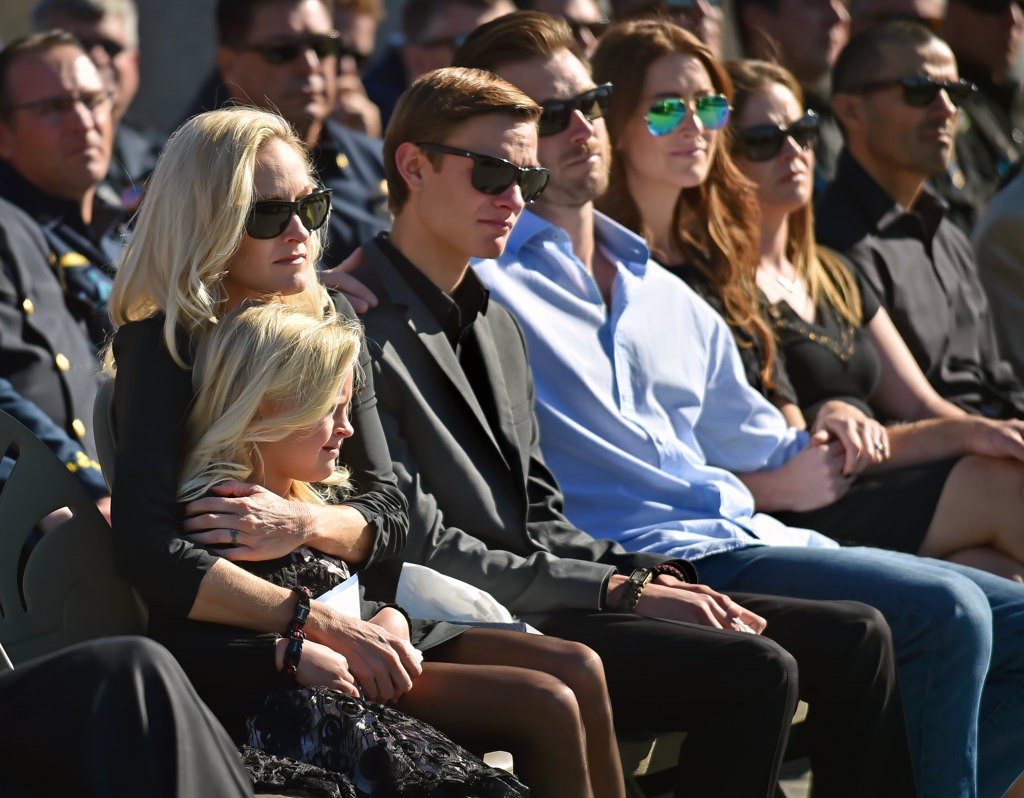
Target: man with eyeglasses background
{"points": [[282, 55], [55, 134], [430, 32], [109, 33], [896, 94], [56, 137]]}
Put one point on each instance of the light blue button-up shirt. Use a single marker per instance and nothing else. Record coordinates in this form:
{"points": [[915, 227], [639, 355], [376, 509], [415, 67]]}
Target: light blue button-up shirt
{"points": [[644, 408]]}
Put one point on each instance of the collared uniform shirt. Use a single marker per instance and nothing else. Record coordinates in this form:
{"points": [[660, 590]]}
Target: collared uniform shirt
{"points": [[922, 268], [644, 408]]}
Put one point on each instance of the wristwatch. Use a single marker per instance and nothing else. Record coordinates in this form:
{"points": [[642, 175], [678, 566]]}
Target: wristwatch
{"points": [[635, 585]]}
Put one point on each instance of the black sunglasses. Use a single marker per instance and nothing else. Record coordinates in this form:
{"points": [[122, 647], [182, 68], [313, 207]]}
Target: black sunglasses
{"points": [[270, 218], [109, 46], [555, 114], [492, 175], [282, 51], [346, 50], [920, 91], [764, 142]]}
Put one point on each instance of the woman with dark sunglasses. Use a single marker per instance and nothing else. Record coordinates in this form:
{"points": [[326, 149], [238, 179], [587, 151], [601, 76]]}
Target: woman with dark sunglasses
{"points": [[233, 215], [837, 343], [675, 182]]}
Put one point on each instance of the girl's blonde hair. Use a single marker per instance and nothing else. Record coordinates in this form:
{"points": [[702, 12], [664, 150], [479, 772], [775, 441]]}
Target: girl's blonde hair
{"points": [[265, 371], [191, 222], [827, 277]]}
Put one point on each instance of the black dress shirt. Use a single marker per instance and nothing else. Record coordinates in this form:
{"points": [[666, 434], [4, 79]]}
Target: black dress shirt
{"points": [[922, 268]]}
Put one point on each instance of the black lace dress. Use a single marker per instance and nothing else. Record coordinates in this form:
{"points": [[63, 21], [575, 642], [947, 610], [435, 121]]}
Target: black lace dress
{"points": [[318, 740]]}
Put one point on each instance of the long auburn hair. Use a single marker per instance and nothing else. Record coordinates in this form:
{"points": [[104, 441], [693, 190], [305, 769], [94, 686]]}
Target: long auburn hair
{"points": [[827, 278], [716, 224]]}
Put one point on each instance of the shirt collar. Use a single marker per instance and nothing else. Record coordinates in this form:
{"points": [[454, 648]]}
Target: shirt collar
{"points": [[454, 313], [881, 210], [620, 243]]}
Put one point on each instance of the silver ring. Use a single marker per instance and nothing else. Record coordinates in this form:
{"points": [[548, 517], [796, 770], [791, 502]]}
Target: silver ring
{"points": [[234, 537], [880, 447]]}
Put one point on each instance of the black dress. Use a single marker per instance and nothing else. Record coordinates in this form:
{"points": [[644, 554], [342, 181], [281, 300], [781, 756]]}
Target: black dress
{"points": [[354, 747], [832, 359]]}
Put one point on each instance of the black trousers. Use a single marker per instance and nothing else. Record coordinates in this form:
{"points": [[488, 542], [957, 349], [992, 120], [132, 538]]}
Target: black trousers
{"points": [[115, 718], [734, 694]]}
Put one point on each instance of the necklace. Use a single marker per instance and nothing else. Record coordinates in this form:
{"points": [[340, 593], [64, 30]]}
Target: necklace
{"points": [[789, 286]]}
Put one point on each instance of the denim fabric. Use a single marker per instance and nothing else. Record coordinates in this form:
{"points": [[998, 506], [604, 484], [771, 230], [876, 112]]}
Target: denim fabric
{"points": [[959, 636]]}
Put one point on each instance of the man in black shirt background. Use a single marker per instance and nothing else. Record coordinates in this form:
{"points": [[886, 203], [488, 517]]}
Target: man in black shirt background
{"points": [[896, 92]]}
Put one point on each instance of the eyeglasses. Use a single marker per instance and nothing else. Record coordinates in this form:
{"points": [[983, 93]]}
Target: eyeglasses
{"points": [[346, 50], [920, 91], [555, 114], [492, 175], [989, 6], [764, 142], [270, 218], [596, 29], [666, 115], [95, 102], [283, 51], [109, 46]]}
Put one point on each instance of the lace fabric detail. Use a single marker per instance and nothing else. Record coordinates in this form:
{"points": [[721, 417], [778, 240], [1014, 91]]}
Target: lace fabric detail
{"points": [[367, 749]]}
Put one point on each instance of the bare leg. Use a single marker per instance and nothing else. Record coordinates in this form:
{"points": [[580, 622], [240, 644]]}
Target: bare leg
{"points": [[988, 559], [981, 506], [573, 664], [532, 714]]}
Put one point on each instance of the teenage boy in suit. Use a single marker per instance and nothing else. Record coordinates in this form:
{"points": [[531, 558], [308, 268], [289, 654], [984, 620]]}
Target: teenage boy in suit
{"points": [[455, 398]]}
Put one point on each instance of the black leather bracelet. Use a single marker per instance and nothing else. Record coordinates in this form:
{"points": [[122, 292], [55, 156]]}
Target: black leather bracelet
{"points": [[301, 612], [634, 587], [292, 655]]}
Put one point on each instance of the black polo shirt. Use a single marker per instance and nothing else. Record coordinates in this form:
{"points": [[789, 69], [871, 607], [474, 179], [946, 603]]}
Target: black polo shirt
{"points": [[922, 268]]}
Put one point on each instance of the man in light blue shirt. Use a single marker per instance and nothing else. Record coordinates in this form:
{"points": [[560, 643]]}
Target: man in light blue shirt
{"points": [[645, 418]]}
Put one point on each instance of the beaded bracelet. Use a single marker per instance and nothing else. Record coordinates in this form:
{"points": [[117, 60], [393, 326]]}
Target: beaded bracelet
{"points": [[301, 612], [669, 570], [293, 651], [292, 655]]}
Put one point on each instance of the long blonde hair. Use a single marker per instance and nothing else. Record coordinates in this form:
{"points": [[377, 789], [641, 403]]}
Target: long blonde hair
{"points": [[191, 222], [265, 371], [823, 270]]}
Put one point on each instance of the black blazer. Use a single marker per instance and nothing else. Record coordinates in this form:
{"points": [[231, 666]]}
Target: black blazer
{"points": [[483, 506]]}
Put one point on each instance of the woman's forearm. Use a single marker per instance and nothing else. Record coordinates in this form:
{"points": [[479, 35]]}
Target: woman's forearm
{"points": [[342, 531]]}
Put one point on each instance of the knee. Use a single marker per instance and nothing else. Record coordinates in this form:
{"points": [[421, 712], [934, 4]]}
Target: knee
{"points": [[991, 475], [580, 667], [952, 614]]}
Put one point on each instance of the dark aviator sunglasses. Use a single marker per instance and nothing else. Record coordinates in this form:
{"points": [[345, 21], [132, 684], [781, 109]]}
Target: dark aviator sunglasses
{"points": [[764, 142], [324, 45], [920, 91], [555, 114], [270, 218], [493, 175]]}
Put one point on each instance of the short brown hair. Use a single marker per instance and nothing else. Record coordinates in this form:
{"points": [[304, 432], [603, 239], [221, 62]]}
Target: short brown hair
{"points": [[437, 103], [369, 8], [514, 38], [234, 18], [27, 45]]}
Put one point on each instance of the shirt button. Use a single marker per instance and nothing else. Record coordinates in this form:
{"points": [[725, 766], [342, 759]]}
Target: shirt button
{"points": [[78, 427], [341, 161], [28, 306], [62, 362]]}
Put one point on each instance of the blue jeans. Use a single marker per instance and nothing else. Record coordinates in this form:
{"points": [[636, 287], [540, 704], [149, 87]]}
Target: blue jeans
{"points": [[959, 639]]}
